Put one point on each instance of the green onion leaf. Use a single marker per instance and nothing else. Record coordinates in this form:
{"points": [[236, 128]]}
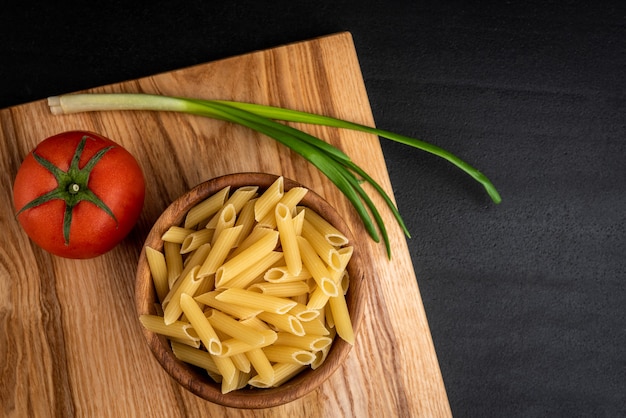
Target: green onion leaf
{"points": [[330, 160]]}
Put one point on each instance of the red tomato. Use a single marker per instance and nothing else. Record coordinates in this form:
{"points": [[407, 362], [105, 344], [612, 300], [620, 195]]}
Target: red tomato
{"points": [[78, 194]]}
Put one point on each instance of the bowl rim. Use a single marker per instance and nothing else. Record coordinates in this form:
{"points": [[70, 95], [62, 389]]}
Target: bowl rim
{"points": [[197, 381]]}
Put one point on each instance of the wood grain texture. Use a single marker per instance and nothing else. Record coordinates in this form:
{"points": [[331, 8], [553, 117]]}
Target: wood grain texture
{"points": [[70, 340]]}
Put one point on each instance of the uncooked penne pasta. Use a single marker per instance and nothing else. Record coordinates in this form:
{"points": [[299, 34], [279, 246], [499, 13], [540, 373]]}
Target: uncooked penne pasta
{"points": [[176, 234], [284, 322], [341, 317], [254, 300], [246, 258], [173, 309], [315, 327], [282, 290], [158, 269], [308, 342], [173, 260], [332, 234], [303, 313], [261, 364], [228, 371], [235, 329], [227, 219], [281, 275], [281, 373], [287, 235], [177, 329], [200, 324], [219, 251], [322, 247], [255, 271], [285, 354], [291, 198], [238, 199], [241, 362], [199, 358], [233, 346], [317, 268], [196, 239], [206, 209], [237, 311], [246, 220], [252, 287], [196, 258], [269, 198]]}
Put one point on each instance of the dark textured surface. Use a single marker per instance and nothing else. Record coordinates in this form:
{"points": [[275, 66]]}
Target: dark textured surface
{"points": [[526, 300]]}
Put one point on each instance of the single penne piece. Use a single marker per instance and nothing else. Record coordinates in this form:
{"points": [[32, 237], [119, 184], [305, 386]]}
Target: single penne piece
{"points": [[269, 198], [287, 236], [256, 323], [227, 219], [322, 247], [194, 344], [231, 385], [298, 221], [158, 270], [291, 198], [195, 240], [251, 255], [282, 290], [199, 358], [317, 299], [206, 209], [261, 364], [201, 324], [285, 371], [219, 251], [283, 322], [194, 260], [243, 379], [328, 316], [233, 346], [173, 260], [176, 234], [227, 370], [308, 342], [280, 274], [281, 372], [341, 317], [303, 313], [237, 311], [315, 327], [189, 284], [246, 220], [332, 234], [344, 282], [285, 354], [317, 268], [255, 271], [254, 300], [255, 235], [241, 362], [302, 299], [177, 329], [320, 357], [235, 329], [238, 199]]}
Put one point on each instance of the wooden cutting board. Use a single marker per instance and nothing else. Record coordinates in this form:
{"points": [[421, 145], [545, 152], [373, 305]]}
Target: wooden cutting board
{"points": [[70, 341]]}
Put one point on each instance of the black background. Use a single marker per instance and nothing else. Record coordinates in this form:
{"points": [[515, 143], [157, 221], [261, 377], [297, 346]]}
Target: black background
{"points": [[526, 300]]}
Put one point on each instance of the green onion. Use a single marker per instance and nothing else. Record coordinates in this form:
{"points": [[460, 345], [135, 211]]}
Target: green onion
{"points": [[331, 161]]}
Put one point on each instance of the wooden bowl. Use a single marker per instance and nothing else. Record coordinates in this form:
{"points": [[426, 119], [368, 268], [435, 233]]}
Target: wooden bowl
{"points": [[196, 380]]}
